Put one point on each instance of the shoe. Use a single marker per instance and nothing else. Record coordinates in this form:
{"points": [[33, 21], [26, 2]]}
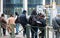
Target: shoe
{"points": [[16, 33], [4, 35], [10, 33]]}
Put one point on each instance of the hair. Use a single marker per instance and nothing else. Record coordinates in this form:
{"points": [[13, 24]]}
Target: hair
{"points": [[2, 15], [34, 12], [16, 13], [24, 11], [11, 15], [40, 14]]}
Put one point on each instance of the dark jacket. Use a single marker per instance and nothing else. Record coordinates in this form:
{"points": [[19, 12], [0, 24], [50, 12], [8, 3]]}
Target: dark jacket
{"points": [[3, 22], [56, 22], [23, 19], [17, 20], [32, 20], [43, 22]]}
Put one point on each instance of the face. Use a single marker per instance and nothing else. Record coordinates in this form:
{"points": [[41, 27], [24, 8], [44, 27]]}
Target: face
{"points": [[41, 16]]}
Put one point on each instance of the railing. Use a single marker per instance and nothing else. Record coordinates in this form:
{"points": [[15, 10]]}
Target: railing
{"points": [[48, 31]]}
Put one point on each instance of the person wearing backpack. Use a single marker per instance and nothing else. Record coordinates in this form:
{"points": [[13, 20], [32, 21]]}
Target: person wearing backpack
{"points": [[3, 24], [17, 22], [56, 25], [23, 21]]}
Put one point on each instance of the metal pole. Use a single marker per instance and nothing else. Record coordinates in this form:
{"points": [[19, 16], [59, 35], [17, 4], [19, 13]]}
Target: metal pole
{"points": [[44, 2], [28, 31], [0, 30], [1, 11], [1, 7], [25, 5]]}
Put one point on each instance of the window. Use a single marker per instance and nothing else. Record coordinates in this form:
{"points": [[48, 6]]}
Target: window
{"points": [[16, 1], [47, 2]]}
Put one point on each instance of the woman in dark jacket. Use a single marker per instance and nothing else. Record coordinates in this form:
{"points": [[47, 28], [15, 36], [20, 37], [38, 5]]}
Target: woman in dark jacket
{"points": [[32, 22], [3, 24]]}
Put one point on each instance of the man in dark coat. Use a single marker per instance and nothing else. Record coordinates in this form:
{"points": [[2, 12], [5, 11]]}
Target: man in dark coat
{"points": [[56, 25], [23, 21]]}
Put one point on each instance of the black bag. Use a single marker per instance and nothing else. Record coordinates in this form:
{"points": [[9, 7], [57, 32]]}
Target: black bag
{"points": [[17, 20]]}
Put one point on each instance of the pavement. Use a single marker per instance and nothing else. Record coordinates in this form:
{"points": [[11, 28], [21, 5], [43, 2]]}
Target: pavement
{"points": [[20, 35]]}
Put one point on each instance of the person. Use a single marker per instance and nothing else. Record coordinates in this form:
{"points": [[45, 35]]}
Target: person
{"points": [[11, 24], [17, 22], [23, 21], [32, 22], [42, 24], [3, 24], [56, 25]]}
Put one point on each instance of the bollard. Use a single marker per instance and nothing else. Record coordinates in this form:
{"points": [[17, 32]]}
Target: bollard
{"points": [[49, 32], [28, 31], [46, 32], [0, 30], [13, 34]]}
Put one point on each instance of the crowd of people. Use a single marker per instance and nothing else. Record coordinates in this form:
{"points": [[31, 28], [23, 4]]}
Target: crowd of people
{"points": [[35, 20]]}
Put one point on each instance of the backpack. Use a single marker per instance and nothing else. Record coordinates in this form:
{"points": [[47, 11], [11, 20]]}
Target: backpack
{"points": [[17, 20]]}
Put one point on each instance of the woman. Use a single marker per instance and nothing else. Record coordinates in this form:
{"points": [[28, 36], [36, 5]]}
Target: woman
{"points": [[3, 24], [32, 22], [17, 22]]}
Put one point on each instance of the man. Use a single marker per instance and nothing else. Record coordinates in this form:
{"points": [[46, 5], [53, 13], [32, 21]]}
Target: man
{"points": [[23, 21], [56, 25], [42, 24]]}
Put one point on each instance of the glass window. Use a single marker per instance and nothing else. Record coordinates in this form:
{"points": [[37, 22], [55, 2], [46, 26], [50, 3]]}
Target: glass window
{"points": [[16, 1], [21, 1], [8, 1], [57, 2], [19, 10], [47, 2]]}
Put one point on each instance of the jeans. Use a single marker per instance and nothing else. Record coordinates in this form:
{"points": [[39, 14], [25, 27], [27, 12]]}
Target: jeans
{"points": [[17, 27], [4, 31], [24, 32], [42, 33], [34, 31]]}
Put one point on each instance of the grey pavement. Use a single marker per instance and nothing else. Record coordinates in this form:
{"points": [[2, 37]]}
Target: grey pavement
{"points": [[20, 35]]}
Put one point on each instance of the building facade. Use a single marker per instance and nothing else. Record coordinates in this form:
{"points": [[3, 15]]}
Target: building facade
{"points": [[11, 6]]}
